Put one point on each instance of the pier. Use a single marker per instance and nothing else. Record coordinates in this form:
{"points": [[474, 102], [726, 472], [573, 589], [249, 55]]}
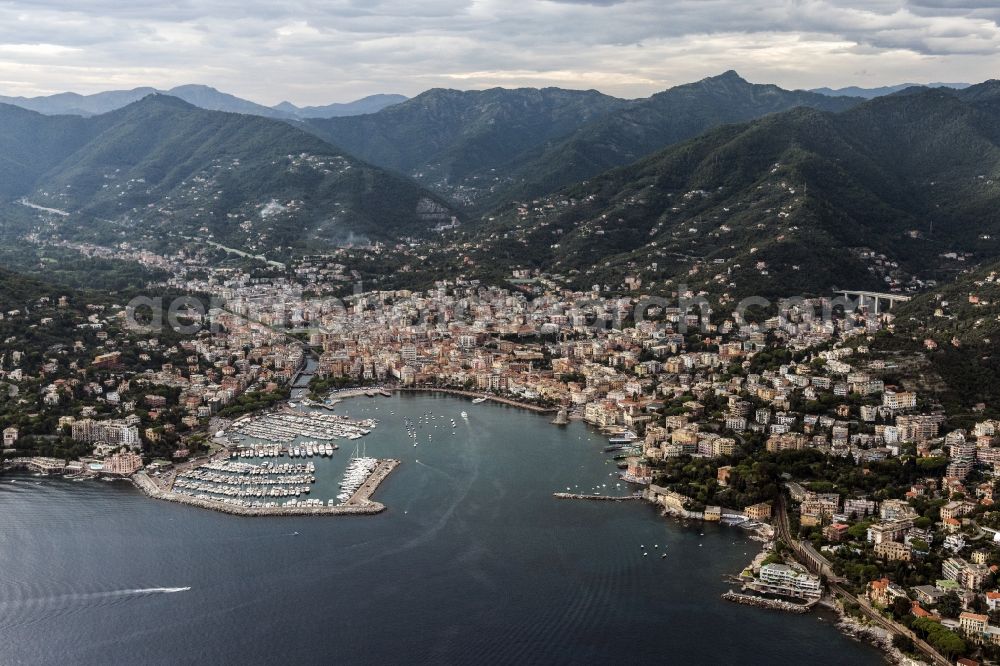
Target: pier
{"points": [[363, 495], [471, 394], [599, 498]]}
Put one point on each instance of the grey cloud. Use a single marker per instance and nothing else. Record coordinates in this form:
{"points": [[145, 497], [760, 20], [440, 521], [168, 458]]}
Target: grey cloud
{"points": [[314, 51]]}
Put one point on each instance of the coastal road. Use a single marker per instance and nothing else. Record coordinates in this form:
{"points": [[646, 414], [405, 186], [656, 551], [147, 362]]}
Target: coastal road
{"points": [[815, 562]]}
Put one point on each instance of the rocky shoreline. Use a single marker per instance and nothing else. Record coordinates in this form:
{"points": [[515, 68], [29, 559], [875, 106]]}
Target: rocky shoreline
{"points": [[875, 636]]}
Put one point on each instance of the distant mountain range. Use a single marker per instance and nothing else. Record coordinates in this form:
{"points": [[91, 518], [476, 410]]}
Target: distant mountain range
{"points": [[161, 166], [455, 140], [872, 93], [201, 96], [370, 104]]}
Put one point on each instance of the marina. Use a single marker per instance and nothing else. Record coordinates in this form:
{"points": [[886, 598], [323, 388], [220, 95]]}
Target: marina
{"points": [[261, 491], [246, 484], [285, 426]]}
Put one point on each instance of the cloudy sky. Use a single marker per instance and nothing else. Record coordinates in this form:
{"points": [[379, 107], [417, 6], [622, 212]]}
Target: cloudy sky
{"points": [[313, 52]]}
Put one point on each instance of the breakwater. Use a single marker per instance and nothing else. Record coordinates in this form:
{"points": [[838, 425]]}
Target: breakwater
{"points": [[359, 504], [764, 602], [363, 495]]}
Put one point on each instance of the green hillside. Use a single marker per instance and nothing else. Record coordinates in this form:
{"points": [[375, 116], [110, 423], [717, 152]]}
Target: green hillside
{"points": [[950, 336], [483, 148], [801, 201], [161, 166], [30, 146], [456, 141], [674, 115]]}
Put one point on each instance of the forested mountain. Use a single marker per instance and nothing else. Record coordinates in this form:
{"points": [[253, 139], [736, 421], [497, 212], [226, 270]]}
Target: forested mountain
{"points": [[163, 166], [677, 114], [443, 137], [30, 145], [485, 147], [797, 201]]}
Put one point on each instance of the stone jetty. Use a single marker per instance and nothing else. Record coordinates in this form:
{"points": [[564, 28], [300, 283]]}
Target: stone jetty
{"points": [[764, 602], [605, 498]]}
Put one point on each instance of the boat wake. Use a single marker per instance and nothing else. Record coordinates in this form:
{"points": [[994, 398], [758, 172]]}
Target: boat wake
{"points": [[17, 612], [90, 596]]}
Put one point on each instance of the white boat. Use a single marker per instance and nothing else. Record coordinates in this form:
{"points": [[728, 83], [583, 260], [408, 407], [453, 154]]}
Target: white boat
{"points": [[476, 401], [465, 415]]}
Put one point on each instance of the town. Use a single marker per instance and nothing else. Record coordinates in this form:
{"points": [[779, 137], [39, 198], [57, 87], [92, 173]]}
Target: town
{"points": [[796, 416]]}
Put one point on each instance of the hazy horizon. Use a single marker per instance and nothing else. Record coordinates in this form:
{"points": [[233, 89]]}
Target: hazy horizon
{"points": [[317, 53], [485, 87]]}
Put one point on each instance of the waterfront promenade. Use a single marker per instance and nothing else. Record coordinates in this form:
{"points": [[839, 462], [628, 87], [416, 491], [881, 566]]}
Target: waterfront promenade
{"points": [[473, 395], [359, 504], [606, 498]]}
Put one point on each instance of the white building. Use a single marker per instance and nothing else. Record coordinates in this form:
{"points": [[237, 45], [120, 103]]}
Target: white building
{"points": [[784, 580]]}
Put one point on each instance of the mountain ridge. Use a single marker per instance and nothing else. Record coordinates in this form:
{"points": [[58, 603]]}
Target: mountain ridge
{"points": [[804, 197], [879, 91], [202, 96], [474, 148]]}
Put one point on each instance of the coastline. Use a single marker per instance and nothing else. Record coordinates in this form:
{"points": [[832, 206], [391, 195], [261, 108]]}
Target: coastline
{"points": [[870, 634]]}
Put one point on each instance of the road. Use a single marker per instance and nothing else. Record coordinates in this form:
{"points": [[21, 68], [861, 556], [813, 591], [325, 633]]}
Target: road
{"points": [[816, 563]]}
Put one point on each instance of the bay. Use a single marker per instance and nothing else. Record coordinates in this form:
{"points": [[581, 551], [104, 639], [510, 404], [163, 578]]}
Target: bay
{"points": [[474, 561]]}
